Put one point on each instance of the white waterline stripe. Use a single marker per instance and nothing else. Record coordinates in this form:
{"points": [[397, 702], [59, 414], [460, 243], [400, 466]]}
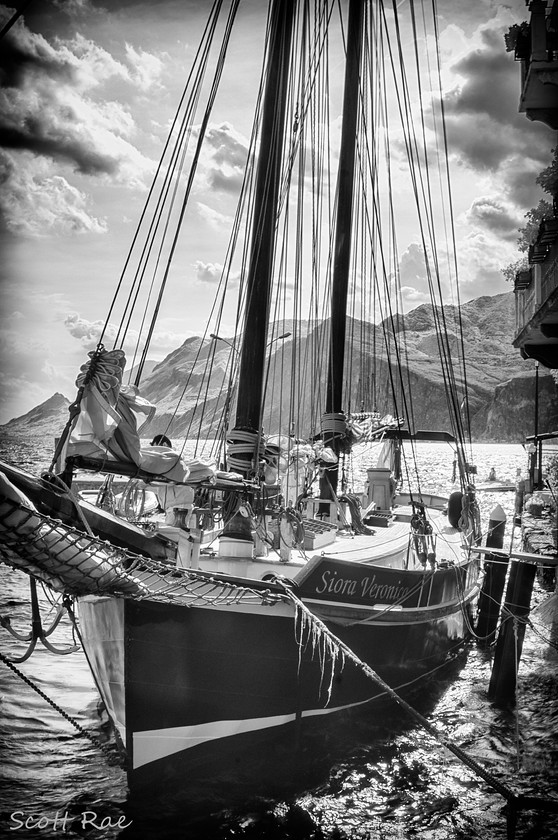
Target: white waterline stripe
{"points": [[153, 744]]}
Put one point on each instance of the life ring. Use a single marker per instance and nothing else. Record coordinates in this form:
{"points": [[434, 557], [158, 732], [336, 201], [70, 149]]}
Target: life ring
{"points": [[455, 507]]}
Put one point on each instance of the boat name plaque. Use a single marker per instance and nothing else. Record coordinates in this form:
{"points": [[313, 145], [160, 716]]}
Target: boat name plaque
{"points": [[340, 581]]}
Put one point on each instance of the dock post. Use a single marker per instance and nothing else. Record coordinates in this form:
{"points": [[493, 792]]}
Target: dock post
{"points": [[495, 569], [501, 690], [519, 499]]}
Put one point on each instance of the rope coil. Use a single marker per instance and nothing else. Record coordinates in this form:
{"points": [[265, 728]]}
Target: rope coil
{"points": [[334, 424]]}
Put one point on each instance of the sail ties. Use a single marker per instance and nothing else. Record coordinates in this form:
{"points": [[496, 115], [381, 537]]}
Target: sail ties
{"points": [[334, 423], [334, 429], [340, 431], [243, 448], [250, 454]]}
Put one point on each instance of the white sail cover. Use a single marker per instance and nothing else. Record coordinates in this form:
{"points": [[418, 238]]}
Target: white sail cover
{"points": [[111, 418]]}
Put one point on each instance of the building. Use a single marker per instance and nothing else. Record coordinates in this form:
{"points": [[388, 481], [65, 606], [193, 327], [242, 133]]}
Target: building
{"points": [[535, 45]]}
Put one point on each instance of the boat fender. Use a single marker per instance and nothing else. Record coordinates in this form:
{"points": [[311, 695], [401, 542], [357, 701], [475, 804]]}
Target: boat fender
{"points": [[455, 507]]}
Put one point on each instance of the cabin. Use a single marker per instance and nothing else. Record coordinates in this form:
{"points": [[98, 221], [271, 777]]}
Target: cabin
{"points": [[535, 45]]}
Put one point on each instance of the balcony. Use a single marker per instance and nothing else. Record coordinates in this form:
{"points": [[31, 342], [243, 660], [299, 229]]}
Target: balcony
{"points": [[536, 47], [536, 299]]}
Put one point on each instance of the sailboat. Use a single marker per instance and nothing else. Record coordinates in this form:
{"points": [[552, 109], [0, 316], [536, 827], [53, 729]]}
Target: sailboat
{"points": [[216, 620]]}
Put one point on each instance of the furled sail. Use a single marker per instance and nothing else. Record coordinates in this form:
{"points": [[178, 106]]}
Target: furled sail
{"points": [[110, 417]]}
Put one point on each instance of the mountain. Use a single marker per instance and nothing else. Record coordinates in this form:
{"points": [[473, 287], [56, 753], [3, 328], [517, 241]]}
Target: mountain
{"points": [[500, 384], [509, 416], [44, 421]]}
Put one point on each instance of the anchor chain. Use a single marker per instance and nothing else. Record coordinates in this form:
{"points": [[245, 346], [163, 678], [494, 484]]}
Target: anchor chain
{"points": [[106, 750]]}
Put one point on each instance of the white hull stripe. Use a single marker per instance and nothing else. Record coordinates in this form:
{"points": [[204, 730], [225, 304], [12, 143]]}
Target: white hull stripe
{"points": [[153, 744]]}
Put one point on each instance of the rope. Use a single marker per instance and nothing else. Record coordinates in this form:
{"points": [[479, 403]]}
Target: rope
{"points": [[357, 523], [547, 639], [515, 801], [517, 656], [290, 515], [56, 479], [243, 451], [108, 751], [334, 424]]}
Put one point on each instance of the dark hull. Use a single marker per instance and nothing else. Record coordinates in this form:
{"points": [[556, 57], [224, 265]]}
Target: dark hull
{"points": [[217, 706]]}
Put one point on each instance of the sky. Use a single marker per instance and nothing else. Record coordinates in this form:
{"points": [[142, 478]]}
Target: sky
{"points": [[89, 89]]}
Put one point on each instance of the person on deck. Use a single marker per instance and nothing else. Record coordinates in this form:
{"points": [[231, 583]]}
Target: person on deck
{"points": [[161, 440]]}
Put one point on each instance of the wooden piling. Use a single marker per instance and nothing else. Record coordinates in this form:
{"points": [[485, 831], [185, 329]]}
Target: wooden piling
{"points": [[501, 690], [495, 569], [519, 499]]}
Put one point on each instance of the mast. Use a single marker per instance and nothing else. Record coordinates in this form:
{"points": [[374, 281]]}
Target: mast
{"points": [[258, 293], [333, 422]]}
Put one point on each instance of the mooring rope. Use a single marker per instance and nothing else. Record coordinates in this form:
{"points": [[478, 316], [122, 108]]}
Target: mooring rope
{"points": [[517, 655], [516, 802]]}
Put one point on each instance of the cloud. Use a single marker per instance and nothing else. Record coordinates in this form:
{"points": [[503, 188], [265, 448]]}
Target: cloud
{"points": [[226, 158], [48, 112], [482, 255], [410, 289], [35, 201], [212, 273], [18, 395], [146, 68], [20, 352], [88, 333], [412, 268], [208, 272], [221, 171], [495, 216], [75, 8], [488, 62], [519, 176], [497, 149], [412, 297], [26, 375], [484, 127], [213, 217]]}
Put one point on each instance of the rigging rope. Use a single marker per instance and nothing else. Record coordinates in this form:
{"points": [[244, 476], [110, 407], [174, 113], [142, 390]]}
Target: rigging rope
{"points": [[201, 49]]}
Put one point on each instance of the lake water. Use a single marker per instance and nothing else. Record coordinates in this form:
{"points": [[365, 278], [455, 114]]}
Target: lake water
{"points": [[403, 784]]}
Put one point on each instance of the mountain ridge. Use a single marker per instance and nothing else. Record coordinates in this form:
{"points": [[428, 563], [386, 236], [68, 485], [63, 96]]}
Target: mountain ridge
{"points": [[500, 383]]}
